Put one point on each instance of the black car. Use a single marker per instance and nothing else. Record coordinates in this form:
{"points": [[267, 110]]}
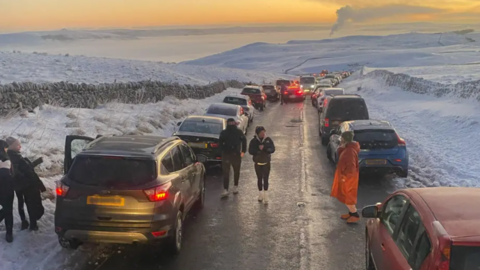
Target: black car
{"points": [[273, 94], [127, 190], [202, 134], [336, 110]]}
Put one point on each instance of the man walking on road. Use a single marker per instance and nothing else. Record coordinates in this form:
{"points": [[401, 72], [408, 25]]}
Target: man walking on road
{"points": [[345, 184], [261, 148], [233, 145], [283, 89]]}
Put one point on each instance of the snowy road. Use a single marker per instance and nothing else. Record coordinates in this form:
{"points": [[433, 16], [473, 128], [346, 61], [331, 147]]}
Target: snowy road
{"points": [[299, 229]]}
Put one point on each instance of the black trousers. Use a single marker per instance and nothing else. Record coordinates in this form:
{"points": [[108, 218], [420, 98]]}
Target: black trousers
{"points": [[263, 172], [233, 160], [283, 99], [6, 213], [21, 204], [33, 200]]}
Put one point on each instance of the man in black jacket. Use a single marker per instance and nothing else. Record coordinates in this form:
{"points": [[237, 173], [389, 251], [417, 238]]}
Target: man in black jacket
{"points": [[28, 186], [233, 145], [261, 148]]}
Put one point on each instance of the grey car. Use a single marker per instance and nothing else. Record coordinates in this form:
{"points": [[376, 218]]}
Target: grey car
{"points": [[244, 101], [127, 190]]}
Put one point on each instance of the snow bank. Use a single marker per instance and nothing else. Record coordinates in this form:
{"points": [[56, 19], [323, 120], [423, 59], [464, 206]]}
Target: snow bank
{"points": [[43, 134]]}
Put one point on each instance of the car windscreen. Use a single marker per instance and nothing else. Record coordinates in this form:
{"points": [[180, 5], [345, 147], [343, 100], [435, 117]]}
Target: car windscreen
{"points": [[465, 258], [201, 127], [235, 100], [251, 91], [347, 109], [307, 80], [376, 138], [114, 172], [333, 92], [283, 82], [222, 111]]}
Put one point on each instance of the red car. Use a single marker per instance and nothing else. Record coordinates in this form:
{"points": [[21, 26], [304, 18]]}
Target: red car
{"points": [[257, 95], [424, 229]]}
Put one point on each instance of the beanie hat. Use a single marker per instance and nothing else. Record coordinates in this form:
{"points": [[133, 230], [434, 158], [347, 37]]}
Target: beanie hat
{"points": [[259, 129], [230, 120], [348, 136], [12, 142]]}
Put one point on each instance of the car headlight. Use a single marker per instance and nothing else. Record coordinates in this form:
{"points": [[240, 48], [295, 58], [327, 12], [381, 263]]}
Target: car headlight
{"points": [[301, 86], [312, 86]]}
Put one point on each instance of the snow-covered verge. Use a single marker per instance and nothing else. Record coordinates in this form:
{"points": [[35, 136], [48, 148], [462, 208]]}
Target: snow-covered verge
{"points": [[40, 68], [43, 134], [441, 132]]}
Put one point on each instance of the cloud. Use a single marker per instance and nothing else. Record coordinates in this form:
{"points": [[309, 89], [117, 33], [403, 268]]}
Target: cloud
{"points": [[348, 14]]}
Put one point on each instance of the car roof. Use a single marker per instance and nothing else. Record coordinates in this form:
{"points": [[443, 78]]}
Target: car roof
{"points": [[205, 118], [369, 124], [224, 105], [345, 96], [237, 96], [252, 86], [128, 145], [333, 88], [454, 208]]}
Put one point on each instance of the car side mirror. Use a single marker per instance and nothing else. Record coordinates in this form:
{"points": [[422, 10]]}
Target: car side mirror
{"points": [[371, 211], [178, 124]]}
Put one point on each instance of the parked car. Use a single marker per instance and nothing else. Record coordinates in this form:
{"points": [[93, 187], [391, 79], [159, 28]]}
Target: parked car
{"points": [[273, 94], [294, 93], [424, 229], [244, 101], [307, 84], [336, 110], [382, 150], [127, 190], [324, 93], [280, 82], [257, 95], [202, 134], [227, 111]]}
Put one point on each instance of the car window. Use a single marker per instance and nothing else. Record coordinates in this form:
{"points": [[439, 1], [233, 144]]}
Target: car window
{"points": [[334, 92], [392, 211], [235, 100], [167, 162], [376, 138], [347, 109], [201, 127], [177, 158], [187, 156], [465, 258], [422, 250], [408, 231], [251, 91], [222, 110]]}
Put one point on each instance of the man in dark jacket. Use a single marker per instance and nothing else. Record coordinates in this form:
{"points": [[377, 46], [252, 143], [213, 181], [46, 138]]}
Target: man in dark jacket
{"points": [[28, 186], [233, 145], [261, 148], [283, 89], [6, 191]]}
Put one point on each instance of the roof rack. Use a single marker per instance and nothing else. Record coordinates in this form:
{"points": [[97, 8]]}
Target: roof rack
{"points": [[163, 142]]}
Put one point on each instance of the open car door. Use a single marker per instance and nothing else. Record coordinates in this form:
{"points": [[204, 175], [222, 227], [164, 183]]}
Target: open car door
{"points": [[73, 146]]}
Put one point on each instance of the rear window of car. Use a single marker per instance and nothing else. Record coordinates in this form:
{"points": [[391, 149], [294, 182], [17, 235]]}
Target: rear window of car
{"points": [[465, 258], [376, 139], [283, 82], [235, 100], [347, 109], [114, 172], [307, 80], [222, 111], [251, 91], [201, 127], [334, 92]]}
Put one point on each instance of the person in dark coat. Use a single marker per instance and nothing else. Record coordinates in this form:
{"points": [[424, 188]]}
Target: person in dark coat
{"points": [[283, 89], [233, 145], [28, 186], [6, 191], [261, 148]]}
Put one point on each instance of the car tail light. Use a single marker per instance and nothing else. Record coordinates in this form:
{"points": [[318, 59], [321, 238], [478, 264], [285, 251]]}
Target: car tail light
{"points": [[214, 144], [61, 189], [157, 194], [401, 142], [325, 101], [327, 122], [299, 92], [286, 92], [159, 233], [445, 243]]}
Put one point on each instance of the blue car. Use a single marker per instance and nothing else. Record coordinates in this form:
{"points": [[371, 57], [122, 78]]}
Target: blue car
{"points": [[381, 148]]}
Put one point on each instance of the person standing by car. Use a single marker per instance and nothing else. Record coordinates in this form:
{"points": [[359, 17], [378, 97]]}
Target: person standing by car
{"points": [[233, 145], [283, 90], [28, 185], [6, 191], [345, 184], [261, 148]]}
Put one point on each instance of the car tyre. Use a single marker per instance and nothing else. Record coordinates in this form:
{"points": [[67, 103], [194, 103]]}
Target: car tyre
{"points": [[174, 243], [68, 244], [369, 265]]}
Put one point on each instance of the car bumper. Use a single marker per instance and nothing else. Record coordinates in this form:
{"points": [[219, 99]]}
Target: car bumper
{"points": [[399, 169]]}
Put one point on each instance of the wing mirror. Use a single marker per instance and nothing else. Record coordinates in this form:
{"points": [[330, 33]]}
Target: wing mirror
{"points": [[371, 211], [178, 124]]}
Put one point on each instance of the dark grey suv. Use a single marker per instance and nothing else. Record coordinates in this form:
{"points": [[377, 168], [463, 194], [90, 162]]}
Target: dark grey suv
{"points": [[127, 190]]}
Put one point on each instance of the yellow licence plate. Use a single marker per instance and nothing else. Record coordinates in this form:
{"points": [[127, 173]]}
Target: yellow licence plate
{"points": [[198, 145], [376, 162], [106, 200]]}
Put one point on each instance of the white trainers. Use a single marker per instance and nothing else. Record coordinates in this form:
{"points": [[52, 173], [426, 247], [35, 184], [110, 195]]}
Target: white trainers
{"points": [[235, 190], [265, 197], [225, 193], [260, 196]]}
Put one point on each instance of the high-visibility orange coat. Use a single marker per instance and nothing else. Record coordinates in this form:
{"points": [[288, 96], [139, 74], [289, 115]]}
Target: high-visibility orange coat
{"points": [[345, 184]]}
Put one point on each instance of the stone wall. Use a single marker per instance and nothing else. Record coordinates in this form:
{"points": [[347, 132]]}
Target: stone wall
{"points": [[15, 97]]}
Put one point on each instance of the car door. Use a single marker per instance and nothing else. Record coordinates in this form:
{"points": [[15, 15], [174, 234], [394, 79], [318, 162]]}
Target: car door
{"points": [[183, 175], [384, 231], [73, 146], [191, 170]]}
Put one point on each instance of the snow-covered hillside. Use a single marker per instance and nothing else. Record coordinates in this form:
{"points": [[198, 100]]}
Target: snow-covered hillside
{"points": [[32, 67]]}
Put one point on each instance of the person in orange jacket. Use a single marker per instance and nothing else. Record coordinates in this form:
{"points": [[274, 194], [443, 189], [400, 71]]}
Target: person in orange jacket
{"points": [[345, 184]]}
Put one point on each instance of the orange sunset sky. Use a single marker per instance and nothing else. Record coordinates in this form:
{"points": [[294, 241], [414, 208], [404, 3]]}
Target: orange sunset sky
{"points": [[21, 15]]}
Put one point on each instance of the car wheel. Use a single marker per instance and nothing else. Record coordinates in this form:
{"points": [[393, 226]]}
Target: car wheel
{"points": [[324, 141], [369, 265], [175, 241], [68, 244]]}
